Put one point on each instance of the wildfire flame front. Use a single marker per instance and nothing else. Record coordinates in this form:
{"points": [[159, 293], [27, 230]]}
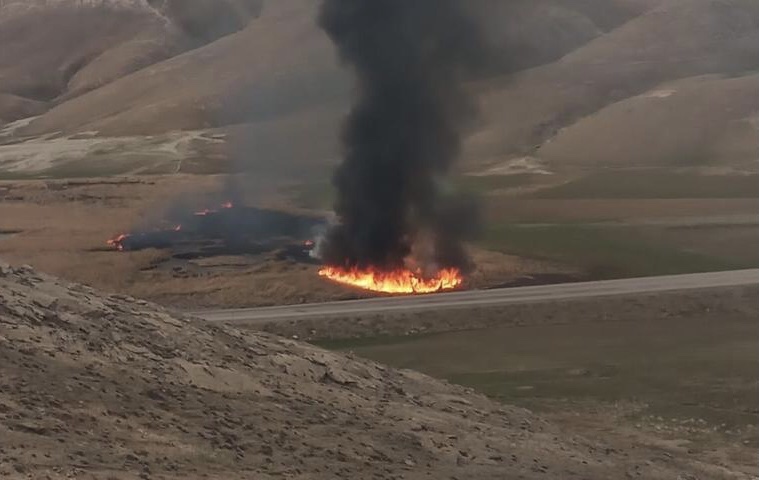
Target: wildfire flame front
{"points": [[400, 281]]}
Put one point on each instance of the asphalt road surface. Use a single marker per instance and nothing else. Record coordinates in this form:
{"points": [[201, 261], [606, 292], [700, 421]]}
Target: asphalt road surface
{"points": [[480, 298]]}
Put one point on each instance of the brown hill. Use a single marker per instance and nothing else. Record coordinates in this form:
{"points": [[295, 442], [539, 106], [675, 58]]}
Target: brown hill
{"points": [[43, 49], [173, 65], [13, 107], [683, 123], [53, 52], [112, 387], [275, 66], [675, 40], [282, 63], [528, 33]]}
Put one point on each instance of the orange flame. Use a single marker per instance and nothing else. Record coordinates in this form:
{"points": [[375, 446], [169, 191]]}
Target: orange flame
{"points": [[400, 281], [209, 211], [117, 242]]}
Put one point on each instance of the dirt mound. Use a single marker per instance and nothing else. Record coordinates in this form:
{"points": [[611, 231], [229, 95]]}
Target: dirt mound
{"points": [[118, 388]]}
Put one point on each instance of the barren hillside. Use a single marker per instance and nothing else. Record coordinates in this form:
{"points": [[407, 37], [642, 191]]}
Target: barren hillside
{"points": [[682, 123], [114, 387], [264, 74], [677, 40]]}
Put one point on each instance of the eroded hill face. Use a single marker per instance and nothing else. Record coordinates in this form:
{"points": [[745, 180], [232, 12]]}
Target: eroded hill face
{"points": [[665, 49], [56, 51], [114, 387], [261, 75]]}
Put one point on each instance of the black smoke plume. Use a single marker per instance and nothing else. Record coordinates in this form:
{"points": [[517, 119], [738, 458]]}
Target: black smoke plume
{"points": [[410, 59]]}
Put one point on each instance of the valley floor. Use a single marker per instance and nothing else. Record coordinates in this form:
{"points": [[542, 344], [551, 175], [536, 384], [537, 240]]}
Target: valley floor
{"points": [[677, 373]]}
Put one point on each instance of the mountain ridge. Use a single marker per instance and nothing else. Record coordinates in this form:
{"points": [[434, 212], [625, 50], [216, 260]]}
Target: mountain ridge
{"points": [[272, 72]]}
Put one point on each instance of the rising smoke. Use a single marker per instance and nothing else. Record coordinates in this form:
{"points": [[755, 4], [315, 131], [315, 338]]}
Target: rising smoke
{"points": [[410, 59]]}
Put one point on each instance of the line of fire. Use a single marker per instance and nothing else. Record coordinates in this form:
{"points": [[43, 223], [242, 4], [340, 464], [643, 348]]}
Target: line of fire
{"points": [[231, 229]]}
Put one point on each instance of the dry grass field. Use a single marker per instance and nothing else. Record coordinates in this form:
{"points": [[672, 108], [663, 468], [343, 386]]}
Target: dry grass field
{"points": [[61, 227]]}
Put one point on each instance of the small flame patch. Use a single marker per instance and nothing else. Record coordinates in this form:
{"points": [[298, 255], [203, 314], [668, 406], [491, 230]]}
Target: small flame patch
{"points": [[117, 242], [210, 211]]}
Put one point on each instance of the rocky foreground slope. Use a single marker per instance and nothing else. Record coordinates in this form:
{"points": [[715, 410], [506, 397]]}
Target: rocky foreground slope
{"points": [[97, 386]]}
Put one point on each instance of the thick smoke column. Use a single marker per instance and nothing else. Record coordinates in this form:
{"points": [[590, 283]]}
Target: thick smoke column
{"points": [[410, 59]]}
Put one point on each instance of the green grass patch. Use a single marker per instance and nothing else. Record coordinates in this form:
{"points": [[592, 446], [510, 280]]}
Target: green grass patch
{"points": [[321, 194], [699, 367], [317, 195], [88, 168], [489, 183], [16, 176], [654, 184], [364, 342], [602, 252]]}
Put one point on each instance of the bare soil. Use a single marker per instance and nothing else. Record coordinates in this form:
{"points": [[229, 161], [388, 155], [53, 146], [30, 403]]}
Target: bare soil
{"points": [[109, 387]]}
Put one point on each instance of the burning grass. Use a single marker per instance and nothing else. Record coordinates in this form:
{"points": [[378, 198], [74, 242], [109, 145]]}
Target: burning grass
{"points": [[224, 230], [161, 237], [60, 227], [399, 281]]}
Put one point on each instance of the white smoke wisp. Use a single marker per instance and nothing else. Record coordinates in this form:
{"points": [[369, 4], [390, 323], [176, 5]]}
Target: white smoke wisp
{"points": [[320, 236]]}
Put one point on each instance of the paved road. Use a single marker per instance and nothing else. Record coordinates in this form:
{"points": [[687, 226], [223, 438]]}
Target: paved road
{"points": [[486, 297]]}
